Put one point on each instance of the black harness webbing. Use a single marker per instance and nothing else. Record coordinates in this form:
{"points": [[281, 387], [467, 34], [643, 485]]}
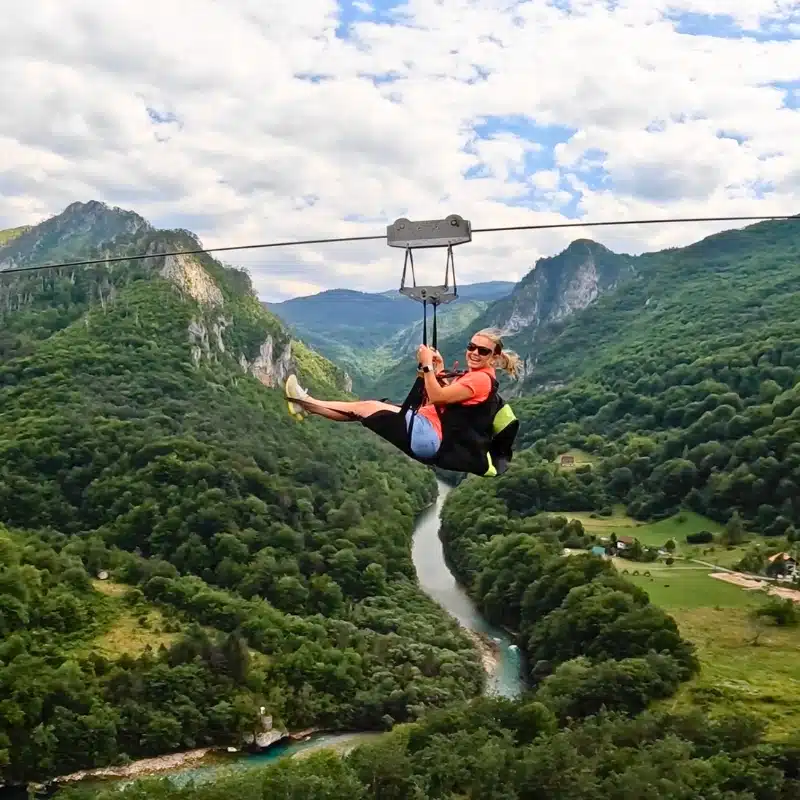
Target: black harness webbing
{"points": [[416, 396]]}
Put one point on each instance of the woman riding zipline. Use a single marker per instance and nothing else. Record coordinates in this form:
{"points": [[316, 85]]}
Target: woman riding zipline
{"points": [[463, 425]]}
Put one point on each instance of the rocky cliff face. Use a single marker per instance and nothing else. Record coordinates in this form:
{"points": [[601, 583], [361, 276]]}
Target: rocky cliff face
{"points": [[271, 368], [186, 273], [273, 362], [552, 292], [557, 287]]}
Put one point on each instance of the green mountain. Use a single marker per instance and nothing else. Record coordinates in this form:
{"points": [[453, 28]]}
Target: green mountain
{"points": [[677, 394], [677, 370], [680, 304], [153, 488], [81, 228], [484, 291], [365, 332], [141, 436], [686, 379]]}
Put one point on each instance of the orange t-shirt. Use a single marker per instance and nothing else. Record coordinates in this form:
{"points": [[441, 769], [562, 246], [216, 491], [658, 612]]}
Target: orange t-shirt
{"points": [[479, 380]]}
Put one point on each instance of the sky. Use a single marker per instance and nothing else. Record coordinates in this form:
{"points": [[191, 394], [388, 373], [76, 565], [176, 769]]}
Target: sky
{"points": [[251, 121]]}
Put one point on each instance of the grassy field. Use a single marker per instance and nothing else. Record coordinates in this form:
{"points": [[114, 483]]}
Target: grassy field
{"points": [[737, 674], [656, 534], [684, 586], [131, 631], [128, 631], [714, 553], [131, 634], [746, 666]]}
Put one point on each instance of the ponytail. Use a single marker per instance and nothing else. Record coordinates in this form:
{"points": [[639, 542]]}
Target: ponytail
{"points": [[509, 361], [506, 360]]}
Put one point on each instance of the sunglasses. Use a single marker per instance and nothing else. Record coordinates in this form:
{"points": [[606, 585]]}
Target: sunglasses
{"points": [[484, 351]]}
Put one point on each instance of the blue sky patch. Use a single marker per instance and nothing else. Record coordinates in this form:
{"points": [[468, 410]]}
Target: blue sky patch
{"points": [[312, 77], [380, 11], [739, 138], [162, 117], [535, 160], [723, 26], [159, 118], [791, 89], [526, 128]]}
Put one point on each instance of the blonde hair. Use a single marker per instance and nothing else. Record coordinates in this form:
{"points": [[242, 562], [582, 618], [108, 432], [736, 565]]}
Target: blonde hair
{"points": [[507, 360]]}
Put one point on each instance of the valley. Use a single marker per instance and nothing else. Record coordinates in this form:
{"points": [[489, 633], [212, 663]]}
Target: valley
{"points": [[500, 658], [178, 552]]}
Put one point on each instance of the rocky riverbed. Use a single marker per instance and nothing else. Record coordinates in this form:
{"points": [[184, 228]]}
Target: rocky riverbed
{"points": [[143, 766]]}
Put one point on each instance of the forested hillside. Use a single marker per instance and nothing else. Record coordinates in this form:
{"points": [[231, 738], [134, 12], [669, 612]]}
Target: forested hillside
{"points": [[253, 560], [685, 381], [511, 558], [679, 394], [139, 435], [679, 376]]}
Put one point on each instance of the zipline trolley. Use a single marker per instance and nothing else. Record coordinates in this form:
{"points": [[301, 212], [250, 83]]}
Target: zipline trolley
{"points": [[448, 232]]}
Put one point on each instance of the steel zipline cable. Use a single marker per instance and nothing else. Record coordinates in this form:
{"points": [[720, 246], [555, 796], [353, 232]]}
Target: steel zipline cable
{"points": [[296, 243]]}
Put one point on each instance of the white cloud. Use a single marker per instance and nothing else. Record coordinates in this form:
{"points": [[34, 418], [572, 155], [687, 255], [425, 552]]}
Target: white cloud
{"points": [[246, 152]]}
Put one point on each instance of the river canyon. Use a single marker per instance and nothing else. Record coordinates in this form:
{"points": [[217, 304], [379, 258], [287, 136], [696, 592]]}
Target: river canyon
{"points": [[501, 657]]}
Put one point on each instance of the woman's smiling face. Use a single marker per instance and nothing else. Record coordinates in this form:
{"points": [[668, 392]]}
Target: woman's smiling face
{"points": [[480, 351]]}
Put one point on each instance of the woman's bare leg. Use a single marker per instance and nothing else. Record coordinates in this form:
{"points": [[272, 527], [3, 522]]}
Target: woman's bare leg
{"points": [[336, 416], [340, 410]]}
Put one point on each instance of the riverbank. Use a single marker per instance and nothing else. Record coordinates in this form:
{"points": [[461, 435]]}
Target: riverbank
{"points": [[217, 756], [489, 651], [199, 757], [144, 767], [497, 647]]}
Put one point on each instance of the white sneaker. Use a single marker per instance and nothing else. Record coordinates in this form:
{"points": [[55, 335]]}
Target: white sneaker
{"points": [[293, 389]]}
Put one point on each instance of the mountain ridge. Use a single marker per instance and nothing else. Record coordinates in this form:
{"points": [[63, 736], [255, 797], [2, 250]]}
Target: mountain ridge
{"points": [[553, 290], [85, 231]]}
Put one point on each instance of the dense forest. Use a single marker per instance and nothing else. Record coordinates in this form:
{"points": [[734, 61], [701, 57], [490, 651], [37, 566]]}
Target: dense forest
{"points": [[132, 440], [590, 637], [496, 749], [683, 383], [679, 409], [150, 479]]}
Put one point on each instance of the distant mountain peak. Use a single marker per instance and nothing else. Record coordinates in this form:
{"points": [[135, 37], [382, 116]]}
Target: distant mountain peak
{"points": [[79, 229], [558, 286]]}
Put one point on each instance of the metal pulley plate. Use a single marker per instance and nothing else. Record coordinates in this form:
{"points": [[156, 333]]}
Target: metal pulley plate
{"points": [[447, 232], [435, 295]]}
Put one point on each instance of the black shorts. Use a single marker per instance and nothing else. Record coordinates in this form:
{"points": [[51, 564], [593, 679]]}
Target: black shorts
{"points": [[391, 426]]}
